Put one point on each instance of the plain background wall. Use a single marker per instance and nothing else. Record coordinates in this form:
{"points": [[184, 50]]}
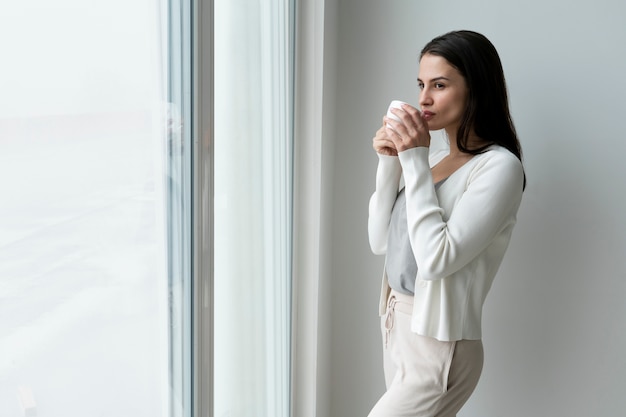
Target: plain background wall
{"points": [[554, 329]]}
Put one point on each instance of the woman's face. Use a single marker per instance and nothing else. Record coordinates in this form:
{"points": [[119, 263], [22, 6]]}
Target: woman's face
{"points": [[443, 95]]}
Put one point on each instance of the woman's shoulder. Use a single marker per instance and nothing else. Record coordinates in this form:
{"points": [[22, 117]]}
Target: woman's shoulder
{"points": [[497, 154], [498, 160]]}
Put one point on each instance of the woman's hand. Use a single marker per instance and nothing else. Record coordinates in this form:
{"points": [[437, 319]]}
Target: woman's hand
{"points": [[382, 142], [411, 132]]}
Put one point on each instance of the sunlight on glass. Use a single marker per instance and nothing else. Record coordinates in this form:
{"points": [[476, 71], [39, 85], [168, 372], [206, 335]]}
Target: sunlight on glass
{"points": [[83, 241]]}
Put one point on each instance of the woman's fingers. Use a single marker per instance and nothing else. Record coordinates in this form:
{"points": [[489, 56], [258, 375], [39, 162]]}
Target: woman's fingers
{"points": [[412, 131], [382, 142]]}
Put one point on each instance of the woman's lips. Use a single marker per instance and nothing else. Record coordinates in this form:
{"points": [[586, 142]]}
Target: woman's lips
{"points": [[427, 115]]}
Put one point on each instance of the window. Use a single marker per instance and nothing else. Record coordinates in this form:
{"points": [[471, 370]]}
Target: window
{"points": [[94, 224], [253, 207], [146, 223]]}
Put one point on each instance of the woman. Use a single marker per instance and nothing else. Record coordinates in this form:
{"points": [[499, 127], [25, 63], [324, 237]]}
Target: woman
{"points": [[446, 230]]}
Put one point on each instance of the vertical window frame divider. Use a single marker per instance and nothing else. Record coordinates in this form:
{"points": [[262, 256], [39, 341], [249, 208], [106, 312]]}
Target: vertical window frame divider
{"points": [[307, 357], [202, 207]]}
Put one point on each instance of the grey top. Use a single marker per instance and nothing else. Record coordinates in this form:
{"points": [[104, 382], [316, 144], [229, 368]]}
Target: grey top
{"points": [[400, 264]]}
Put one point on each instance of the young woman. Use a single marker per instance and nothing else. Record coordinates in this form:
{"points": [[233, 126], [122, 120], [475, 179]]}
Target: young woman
{"points": [[444, 221]]}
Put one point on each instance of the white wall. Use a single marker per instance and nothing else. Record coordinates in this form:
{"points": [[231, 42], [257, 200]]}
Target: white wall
{"points": [[553, 326]]}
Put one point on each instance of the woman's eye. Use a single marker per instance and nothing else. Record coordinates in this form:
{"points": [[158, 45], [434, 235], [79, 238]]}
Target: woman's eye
{"points": [[439, 85], [420, 85]]}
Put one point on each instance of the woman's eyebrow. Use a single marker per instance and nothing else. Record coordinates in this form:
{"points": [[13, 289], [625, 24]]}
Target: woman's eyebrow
{"points": [[435, 79]]}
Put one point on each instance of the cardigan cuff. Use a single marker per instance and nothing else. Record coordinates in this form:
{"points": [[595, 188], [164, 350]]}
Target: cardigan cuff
{"points": [[417, 152]]}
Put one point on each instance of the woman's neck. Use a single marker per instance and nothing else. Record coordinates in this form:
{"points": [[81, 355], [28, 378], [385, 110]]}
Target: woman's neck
{"points": [[454, 148], [474, 142]]}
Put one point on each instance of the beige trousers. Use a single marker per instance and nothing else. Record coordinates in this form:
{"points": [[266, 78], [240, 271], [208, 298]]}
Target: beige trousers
{"points": [[425, 377]]}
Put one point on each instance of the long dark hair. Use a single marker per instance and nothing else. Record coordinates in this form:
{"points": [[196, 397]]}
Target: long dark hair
{"points": [[487, 110]]}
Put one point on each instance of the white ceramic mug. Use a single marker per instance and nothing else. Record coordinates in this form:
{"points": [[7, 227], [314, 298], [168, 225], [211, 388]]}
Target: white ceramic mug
{"points": [[394, 104]]}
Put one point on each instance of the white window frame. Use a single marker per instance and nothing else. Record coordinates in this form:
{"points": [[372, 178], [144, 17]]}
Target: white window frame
{"points": [[308, 90], [202, 203]]}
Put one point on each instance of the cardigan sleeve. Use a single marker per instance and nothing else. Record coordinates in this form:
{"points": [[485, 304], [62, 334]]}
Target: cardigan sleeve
{"points": [[488, 204], [381, 203]]}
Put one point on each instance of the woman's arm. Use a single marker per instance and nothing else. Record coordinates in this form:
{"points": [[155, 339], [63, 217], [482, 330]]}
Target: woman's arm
{"points": [[488, 205], [381, 203]]}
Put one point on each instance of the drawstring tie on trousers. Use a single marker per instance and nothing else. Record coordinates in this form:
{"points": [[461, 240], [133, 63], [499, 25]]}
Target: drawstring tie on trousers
{"points": [[389, 318]]}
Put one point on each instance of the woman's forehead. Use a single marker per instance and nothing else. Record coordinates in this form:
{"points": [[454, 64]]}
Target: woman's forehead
{"points": [[434, 67]]}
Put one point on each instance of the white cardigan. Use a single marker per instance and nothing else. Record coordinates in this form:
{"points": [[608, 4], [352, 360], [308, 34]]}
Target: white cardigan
{"points": [[458, 234]]}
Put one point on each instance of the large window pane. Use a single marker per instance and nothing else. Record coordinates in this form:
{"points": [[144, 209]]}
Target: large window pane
{"points": [[94, 218], [253, 142]]}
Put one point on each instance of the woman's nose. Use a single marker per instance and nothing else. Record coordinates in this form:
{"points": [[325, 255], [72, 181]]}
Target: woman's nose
{"points": [[425, 99]]}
